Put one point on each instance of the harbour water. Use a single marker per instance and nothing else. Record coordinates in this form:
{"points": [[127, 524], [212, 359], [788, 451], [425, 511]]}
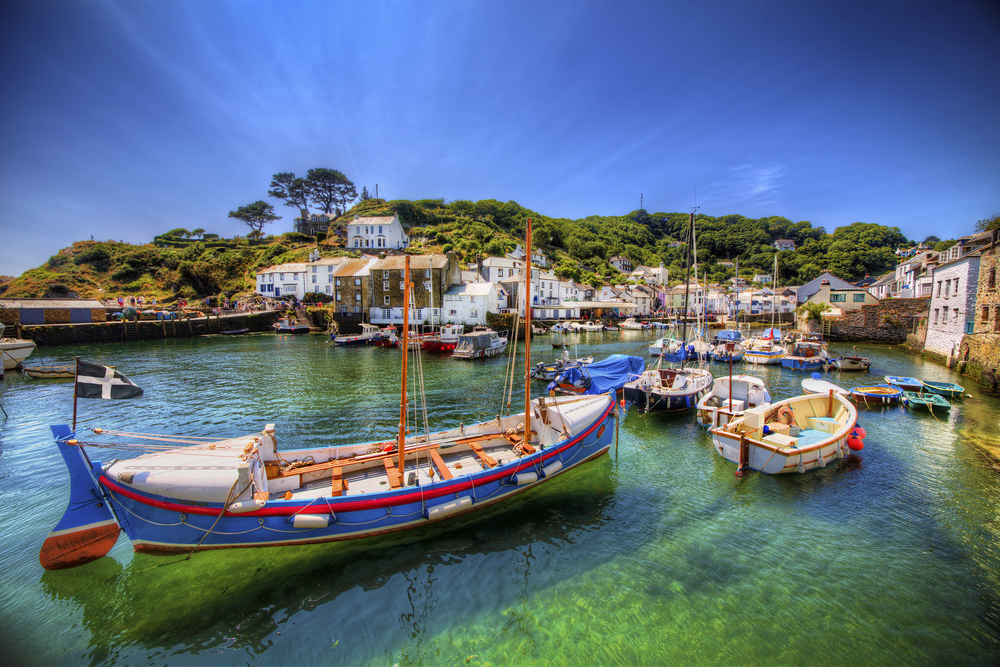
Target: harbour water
{"points": [[655, 554]]}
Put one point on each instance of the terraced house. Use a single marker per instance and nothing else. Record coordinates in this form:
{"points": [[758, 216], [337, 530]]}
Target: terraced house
{"points": [[431, 276]]}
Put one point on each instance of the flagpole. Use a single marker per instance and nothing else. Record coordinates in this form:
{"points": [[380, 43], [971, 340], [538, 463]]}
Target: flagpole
{"points": [[76, 376]]}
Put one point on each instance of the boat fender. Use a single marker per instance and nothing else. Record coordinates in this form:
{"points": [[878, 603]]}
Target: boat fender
{"points": [[310, 521], [524, 478], [821, 460], [855, 443], [246, 506], [816, 376], [859, 431], [799, 468], [552, 468], [839, 453], [448, 508]]}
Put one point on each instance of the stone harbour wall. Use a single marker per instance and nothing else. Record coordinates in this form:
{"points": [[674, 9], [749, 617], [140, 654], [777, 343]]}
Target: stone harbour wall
{"points": [[68, 334], [890, 321]]}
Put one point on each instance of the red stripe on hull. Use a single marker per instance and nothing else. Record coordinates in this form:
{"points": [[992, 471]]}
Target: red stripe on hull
{"points": [[78, 547]]}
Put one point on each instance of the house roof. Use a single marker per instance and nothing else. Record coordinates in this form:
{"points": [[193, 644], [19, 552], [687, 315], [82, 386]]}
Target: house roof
{"points": [[503, 262], [291, 267], [815, 285], [470, 289], [355, 267], [785, 241], [373, 220], [416, 262]]}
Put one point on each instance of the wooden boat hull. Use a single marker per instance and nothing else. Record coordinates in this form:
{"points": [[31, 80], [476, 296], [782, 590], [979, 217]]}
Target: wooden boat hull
{"points": [[234, 332], [653, 398], [851, 363], [904, 383], [50, 372], [161, 524], [877, 395], [14, 351], [829, 420]]}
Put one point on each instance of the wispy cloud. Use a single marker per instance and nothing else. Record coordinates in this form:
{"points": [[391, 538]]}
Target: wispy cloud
{"points": [[748, 188]]}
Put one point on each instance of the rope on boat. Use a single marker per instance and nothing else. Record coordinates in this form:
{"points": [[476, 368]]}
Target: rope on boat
{"points": [[141, 447], [157, 436], [511, 362]]}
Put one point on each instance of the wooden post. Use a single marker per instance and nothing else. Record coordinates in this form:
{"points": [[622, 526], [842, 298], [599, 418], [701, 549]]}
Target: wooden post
{"points": [[744, 457], [401, 445], [76, 374]]}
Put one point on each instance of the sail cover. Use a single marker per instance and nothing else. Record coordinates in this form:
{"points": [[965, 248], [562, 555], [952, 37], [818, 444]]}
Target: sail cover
{"points": [[603, 376]]}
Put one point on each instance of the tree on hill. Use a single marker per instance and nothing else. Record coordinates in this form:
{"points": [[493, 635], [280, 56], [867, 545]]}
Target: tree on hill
{"points": [[198, 232], [330, 190], [294, 191], [255, 215], [988, 223], [365, 196]]}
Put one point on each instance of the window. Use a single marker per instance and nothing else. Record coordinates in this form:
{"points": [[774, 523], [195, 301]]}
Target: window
{"points": [[329, 269], [427, 284], [357, 282], [357, 296], [859, 298], [985, 314], [329, 279], [314, 280], [327, 289], [385, 286], [474, 313], [944, 315], [338, 282], [954, 315], [357, 243], [499, 273], [385, 300], [838, 297], [380, 229], [400, 284], [427, 273], [452, 313], [357, 309], [996, 320], [385, 275], [338, 295], [314, 269], [947, 288], [936, 315], [386, 314], [956, 286], [939, 288]]}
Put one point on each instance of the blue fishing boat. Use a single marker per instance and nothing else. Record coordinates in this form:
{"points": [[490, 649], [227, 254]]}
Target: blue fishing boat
{"points": [[728, 344], [805, 355], [243, 492]]}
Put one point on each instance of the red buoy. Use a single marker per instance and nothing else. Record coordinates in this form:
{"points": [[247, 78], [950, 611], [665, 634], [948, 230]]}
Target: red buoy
{"points": [[855, 443], [859, 431]]}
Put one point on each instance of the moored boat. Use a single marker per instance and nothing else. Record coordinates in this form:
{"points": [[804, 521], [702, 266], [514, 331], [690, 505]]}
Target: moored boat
{"points": [[446, 339], [877, 394], [608, 375], [764, 350], [14, 351], [369, 334], [947, 389], [668, 389], [288, 325], [241, 492], [58, 371], [851, 363], [795, 435], [548, 372], [925, 401], [479, 345], [908, 384], [805, 355], [816, 385], [634, 325]]}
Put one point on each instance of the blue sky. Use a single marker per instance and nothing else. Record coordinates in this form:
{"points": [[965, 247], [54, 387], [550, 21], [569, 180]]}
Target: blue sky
{"points": [[123, 120]]}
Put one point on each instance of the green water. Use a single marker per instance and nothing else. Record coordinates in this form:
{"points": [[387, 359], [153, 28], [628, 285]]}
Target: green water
{"points": [[656, 555]]}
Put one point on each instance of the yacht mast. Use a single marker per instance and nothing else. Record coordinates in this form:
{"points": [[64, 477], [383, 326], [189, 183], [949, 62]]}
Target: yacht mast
{"points": [[401, 442], [687, 289], [527, 338]]}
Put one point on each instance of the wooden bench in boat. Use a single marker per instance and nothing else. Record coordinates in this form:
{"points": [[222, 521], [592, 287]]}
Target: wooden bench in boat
{"points": [[440, 465]]}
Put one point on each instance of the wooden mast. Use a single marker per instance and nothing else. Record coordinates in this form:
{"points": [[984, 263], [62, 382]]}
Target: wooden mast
{"points": [[687, 289], [401, 443], [527, 337]]}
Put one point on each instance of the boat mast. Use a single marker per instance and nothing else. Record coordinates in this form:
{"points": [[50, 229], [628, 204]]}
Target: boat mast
{"points": [[401, 443], [527, 338], [774, 287], [687, 289]]}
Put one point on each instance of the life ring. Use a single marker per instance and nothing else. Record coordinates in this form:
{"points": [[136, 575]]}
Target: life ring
{"points": [[786, 416]]}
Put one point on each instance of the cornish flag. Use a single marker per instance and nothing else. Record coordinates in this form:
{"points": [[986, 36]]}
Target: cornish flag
{"points": [[95, 381]]}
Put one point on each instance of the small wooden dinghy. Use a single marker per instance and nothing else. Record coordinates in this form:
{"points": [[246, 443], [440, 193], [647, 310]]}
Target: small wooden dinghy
{"points": [[949, 389], [906, 384], [60, 371], [816, 385], [919, 401], [795, 435], [234, 332], [851, 363], [880, 393]]}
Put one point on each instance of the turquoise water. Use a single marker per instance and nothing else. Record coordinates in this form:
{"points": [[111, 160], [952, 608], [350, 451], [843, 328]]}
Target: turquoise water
{"points": [[655, 554]]}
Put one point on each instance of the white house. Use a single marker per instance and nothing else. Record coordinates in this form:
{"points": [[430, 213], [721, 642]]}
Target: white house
{"points": [[762, 278], [784, 244], [283, 280], [495, 269], [377, 232], [537, 257], [468, 303], [320, 274], [623, 264], [953, 301]]}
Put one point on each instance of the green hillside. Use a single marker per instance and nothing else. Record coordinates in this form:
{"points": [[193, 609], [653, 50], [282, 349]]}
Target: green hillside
{"points": [[180, 264]]}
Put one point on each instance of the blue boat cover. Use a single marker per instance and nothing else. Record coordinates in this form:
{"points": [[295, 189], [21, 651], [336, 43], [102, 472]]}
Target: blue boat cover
{"points": [[604, 376], [729, 334], [771, 333]]}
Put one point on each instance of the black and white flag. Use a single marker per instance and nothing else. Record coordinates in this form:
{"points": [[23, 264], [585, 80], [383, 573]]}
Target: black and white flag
{"points": [[96, 381]]}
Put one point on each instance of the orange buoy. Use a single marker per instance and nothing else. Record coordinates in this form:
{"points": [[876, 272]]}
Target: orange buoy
{"points": [[860, 432], [855, 443]]}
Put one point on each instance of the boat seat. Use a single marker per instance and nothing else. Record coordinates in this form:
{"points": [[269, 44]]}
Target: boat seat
{"points": [[338, 483], [440, 465], [679, 382], [487, 460], [391, 472]]}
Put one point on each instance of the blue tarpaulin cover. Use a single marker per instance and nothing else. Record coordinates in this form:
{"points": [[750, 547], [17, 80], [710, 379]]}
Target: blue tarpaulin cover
{"points": [[604, 376]]}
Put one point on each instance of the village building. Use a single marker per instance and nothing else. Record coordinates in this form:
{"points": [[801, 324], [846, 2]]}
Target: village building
{"points": [[784, 244], [283, 280], [623, 264], [468, 303], [537, 257], [841, 295], [431, 275], [981, 349], [51, 311], [915, 277], [352, 287], [497, 269], [952, 309], [320, 277], [379, 233], [313, 223]]}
